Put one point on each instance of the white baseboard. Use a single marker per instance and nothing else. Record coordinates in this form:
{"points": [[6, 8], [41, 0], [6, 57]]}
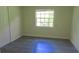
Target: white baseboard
{"points": [[47, 36]]}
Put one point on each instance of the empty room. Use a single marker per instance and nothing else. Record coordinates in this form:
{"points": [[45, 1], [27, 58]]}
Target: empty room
{"points": [[39, 29]]}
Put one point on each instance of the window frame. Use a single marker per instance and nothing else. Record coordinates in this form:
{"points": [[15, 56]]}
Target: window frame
{"points": [[41, 10]]}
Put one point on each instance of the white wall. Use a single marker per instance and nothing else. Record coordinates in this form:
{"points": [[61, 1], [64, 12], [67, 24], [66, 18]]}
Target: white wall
{"points": [[62, 22], [4, 27], [10, 24], [75, 28], [15, 22]]}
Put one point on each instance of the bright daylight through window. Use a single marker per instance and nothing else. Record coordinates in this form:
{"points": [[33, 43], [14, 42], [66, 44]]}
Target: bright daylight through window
{"points": [[44, 18]]}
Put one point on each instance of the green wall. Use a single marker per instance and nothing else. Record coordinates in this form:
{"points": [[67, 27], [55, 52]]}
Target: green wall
{"points": [[3, 18], [75, 28], [62, 22]]}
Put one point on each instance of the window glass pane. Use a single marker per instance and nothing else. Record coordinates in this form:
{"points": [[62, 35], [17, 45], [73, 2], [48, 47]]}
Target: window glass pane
{"points": [[38, 24], [50, 24], [42, 24], [46, 20], [42, 20], [51, 20], [51, 16], [38, 20], [38, 15], [42, 15], [46, 15], [45, 24]]}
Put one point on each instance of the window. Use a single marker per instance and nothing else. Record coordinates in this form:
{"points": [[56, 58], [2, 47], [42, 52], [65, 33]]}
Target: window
{"points": [[44, 18]]}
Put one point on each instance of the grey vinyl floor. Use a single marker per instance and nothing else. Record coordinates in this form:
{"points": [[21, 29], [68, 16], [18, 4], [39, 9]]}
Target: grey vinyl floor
{"points": [[27, 44]]}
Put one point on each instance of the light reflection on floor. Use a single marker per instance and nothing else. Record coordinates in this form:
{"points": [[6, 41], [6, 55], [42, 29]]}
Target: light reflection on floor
{"points": [[43, 47]]}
